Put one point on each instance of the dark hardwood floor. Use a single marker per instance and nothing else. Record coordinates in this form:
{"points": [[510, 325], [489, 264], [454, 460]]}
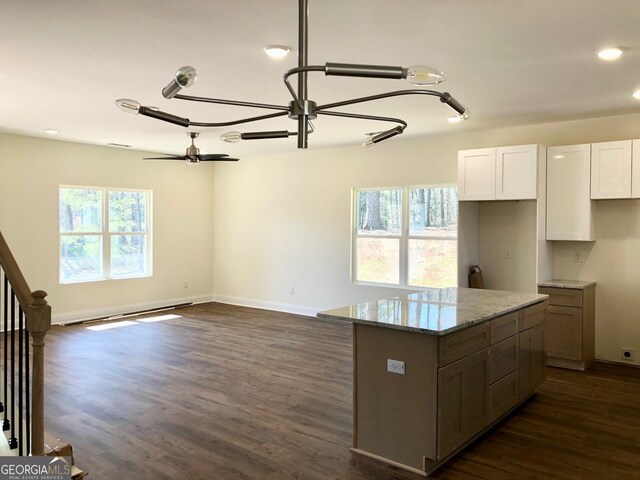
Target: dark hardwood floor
{"points": [[228, 393]]}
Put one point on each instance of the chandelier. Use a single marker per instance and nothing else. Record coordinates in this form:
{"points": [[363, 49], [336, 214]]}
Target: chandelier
{"points": [[301, 108]]}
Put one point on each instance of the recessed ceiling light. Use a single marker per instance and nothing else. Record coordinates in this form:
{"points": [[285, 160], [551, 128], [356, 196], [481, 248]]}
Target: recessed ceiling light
{"points": [[51, 131], [454, 119], [610, 54], [636, 94], [277, 51]]}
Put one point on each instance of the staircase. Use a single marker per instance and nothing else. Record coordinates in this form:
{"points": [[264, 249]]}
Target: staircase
{"points": [[25, 318]]}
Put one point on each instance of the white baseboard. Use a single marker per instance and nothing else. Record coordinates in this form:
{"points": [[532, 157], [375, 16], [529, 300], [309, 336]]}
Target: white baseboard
{"points": [[266, 305], [82, 315]]}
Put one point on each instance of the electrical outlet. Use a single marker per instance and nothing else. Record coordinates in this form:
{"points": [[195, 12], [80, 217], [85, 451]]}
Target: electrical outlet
{"points": [[395, 366], [507, 253], [292, 290], [577, 256], [186, 284], [626, 354]]}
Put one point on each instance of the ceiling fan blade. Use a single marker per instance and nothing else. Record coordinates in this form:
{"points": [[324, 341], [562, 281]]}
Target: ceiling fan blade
{"points": [[169, 157], [218, 159], [208, 156]]}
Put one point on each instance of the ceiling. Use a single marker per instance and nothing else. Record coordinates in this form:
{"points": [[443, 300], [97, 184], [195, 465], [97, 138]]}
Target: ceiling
{"points": [[64, 62]]}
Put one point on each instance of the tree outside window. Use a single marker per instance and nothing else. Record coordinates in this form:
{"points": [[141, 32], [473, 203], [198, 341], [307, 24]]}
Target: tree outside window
{"points": [[104, 234], [406, 236]]}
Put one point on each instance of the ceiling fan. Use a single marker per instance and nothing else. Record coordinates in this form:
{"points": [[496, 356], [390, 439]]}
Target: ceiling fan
{"points": [[193, 154]]}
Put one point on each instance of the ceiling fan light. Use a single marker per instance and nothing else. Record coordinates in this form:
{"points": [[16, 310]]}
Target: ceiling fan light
{"points": [[184, 78], [128, 105], [277, 51], [423, 75], [231, 137]]}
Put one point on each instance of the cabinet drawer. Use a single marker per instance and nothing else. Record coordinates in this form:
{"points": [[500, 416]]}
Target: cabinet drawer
{"points": [[503, 395], [532, 316], [503, 358], [459, 345], [504, 327], [564, 297]]}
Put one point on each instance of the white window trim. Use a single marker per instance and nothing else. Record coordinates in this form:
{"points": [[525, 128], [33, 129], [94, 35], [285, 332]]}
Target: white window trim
{"points": [[106, 235], [403, 237]]}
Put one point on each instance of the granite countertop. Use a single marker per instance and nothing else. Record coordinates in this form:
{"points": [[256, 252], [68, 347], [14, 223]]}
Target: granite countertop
{"points": [[436, 311], [571, 284]]}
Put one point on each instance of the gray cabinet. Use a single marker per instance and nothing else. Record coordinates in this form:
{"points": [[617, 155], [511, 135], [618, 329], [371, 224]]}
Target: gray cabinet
{"points": [[532, 360], [570, 331], [453, 389], [463, 401]]}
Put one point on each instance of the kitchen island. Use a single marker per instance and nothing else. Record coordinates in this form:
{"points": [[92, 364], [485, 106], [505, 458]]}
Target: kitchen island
{"points": [[434, 370]]}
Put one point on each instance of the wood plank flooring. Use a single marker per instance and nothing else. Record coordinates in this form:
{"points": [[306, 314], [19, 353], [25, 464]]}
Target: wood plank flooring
{"points": [[228, 393]]}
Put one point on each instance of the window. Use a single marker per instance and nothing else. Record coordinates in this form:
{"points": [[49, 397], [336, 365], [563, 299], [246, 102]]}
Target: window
{"points": [[406, 236], [104, 233]]}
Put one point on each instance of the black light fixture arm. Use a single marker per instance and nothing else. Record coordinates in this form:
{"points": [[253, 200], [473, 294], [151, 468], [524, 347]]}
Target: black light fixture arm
{"points": [[402, 123], [231, 102], [240, 121], [185, 122], [300, 71], [444, 98]]}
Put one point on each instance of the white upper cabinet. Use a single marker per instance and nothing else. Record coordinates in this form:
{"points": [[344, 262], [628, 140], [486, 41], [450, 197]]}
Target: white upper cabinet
{"points": [[569, 215], [611, 170], [477, 174], [635, 170], [516, 172], [503, 173]]}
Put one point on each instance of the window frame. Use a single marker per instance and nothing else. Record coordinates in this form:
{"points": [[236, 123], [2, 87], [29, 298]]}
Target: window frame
{"points": [[106, 235], [404, 237]]}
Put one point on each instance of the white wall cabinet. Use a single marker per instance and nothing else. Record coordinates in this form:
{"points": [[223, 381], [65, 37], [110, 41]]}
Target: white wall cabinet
{"points": [[635, 170], [517, 172], [611, 170], [477, 174], [502, 173], [569, 205]]}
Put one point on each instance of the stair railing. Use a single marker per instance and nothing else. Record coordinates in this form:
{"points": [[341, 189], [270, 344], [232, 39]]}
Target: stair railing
{"points": [[26, 315]]}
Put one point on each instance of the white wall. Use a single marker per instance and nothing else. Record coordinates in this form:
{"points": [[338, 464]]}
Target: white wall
{"points": [[284, 220], [31, 169]]}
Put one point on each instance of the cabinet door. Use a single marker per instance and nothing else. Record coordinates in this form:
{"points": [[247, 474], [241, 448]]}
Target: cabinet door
{"points": [[611, 170], [532, 360], [635, 170], [564, 332], [517, 172], [463, 401], [569, 214], [477, 174]]}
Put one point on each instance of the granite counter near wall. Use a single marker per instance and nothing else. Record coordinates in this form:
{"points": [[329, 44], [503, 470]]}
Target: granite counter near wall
{"points": [[570, 284], [436, 311]]}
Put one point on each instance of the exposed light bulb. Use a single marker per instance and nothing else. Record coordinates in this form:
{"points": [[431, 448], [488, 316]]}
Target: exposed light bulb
{"points": [[231, 137], [277, 51], [128, 105], [423, 75], [185, 76], [636, 94], [368, 143], [610, 54]]}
